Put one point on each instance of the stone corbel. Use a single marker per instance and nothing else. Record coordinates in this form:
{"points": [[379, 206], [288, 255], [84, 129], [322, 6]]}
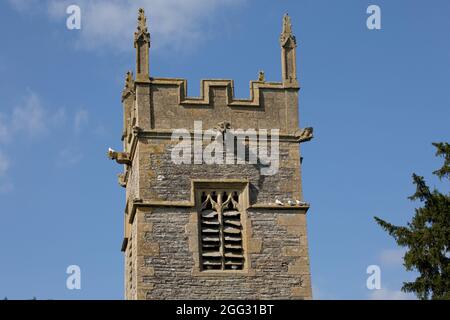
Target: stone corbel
{"points": [[136, 130], [121, 178]]}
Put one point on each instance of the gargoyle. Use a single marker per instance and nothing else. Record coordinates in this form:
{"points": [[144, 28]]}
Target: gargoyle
{"points": [[120, 157], [305, 134]]}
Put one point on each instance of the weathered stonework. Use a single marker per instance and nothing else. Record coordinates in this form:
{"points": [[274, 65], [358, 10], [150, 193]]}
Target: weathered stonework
{"points": [[164, 240]]}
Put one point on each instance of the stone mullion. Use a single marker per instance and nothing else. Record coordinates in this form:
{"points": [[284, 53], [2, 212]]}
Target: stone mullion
{"points": [[221, 233]]}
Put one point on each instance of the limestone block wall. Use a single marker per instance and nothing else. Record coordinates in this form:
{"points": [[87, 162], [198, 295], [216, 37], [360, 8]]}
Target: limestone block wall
{"points": [[162, 180], [167, 250]]}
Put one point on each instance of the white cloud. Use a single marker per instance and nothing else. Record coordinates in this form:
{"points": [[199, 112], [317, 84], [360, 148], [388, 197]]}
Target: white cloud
{"points": [[5, 186], [69, 157], [177, 24], [387, 294], [319, 294], [4, 164], [392, 257], [4, 131], [58, 118], [29, 117], [81, 119]]}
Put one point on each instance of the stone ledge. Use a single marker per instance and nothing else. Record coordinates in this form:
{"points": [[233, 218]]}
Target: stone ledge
{"points": [[190, 204], [166, 134], [299, 208]]}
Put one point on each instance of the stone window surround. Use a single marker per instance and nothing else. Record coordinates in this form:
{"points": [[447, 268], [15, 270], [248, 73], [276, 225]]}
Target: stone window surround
{"points": [[220, 190], [199, 185]]}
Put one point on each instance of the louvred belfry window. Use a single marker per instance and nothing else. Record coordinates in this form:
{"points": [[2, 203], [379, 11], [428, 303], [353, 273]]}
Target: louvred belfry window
{"points": [[221, 231]]}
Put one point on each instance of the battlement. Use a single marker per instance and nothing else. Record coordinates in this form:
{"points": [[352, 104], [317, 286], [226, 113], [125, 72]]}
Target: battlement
{"points": [[206, 89], [163, 103]]}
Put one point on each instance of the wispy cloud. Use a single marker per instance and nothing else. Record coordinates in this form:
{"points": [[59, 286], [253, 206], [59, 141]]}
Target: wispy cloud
{"points": [[4, 163], [4, 132], [387, 294], [5, 185], [391, 257], [29, 119], [29, 116], [80, 120], [69, 157], [178, 24]]}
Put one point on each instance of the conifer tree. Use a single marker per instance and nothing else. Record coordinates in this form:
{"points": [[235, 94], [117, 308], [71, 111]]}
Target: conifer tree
{"points": [[427, 235]]}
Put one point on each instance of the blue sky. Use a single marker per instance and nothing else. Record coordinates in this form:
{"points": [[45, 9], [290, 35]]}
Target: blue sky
{"points": [[376, 100]]}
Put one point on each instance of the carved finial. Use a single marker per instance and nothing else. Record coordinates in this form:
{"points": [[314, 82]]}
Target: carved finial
{"points": [[287, 26], [261, 76], [142, 33], [288, 56], [287, 34], [129, 85]]}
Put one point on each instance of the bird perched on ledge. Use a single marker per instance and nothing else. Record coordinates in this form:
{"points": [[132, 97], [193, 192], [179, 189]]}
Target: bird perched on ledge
{"points": [[301, 203]]}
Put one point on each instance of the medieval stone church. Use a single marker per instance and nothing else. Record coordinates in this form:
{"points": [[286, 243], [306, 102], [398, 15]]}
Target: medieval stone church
{"points": [[224, 230]]}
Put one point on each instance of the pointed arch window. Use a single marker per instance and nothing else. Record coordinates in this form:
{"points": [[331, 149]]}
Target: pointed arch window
{"points": [[221, 230]]}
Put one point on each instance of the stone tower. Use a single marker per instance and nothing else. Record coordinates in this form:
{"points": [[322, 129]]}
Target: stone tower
{"points": [[221, 224]]}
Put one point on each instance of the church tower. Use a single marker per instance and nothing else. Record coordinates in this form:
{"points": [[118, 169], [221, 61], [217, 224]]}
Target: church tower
{"points": [[214, 205]]}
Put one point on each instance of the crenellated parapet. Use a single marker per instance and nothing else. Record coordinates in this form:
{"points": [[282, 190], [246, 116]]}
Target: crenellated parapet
{"points": [[207, 86]]}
